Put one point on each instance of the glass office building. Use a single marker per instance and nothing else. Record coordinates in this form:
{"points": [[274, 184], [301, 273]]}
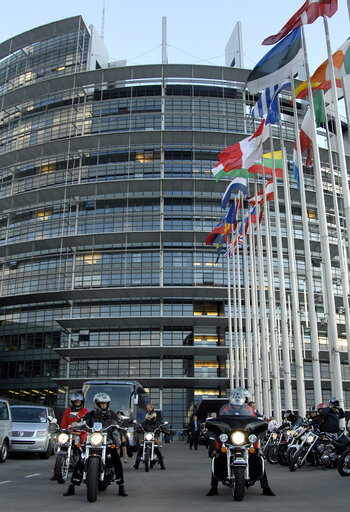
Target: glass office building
{"points": [[107, 197]]}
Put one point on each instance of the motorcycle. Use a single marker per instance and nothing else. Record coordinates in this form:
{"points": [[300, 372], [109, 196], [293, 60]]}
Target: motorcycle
{"points": [[150, 444], [319, 448], [236, 461], [68, 452], [344, 463], [98, 468]]}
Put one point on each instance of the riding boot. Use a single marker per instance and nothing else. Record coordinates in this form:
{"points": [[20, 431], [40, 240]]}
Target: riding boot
{"points": [[213, 491], [122, 490], [137, 463], [70, 491]]}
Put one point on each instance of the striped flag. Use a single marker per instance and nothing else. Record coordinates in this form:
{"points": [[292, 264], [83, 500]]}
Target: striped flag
{"points": [[269, 193], [267, 104], [305, 137], [236, 184]]}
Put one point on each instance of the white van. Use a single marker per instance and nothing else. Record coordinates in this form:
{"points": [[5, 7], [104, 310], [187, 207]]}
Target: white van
{"points": [[5, 429]]}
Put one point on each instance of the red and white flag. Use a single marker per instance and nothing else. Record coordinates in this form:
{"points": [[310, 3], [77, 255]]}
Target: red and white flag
{"points": [[306, 15], [269, 193], [243, 154], [305, 136]]}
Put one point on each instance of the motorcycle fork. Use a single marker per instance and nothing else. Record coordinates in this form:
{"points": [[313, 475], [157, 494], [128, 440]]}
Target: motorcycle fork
{"points": [[231, 462]]}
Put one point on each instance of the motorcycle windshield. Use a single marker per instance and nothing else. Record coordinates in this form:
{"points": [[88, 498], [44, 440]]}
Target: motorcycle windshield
{"points": [[224, 424], [236, 410]]}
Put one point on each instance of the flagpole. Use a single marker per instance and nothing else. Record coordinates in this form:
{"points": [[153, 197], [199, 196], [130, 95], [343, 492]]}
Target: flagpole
{"points": [[256, 347], [275, 377], [346, 101], [240, 316], [342, 262], [229, 309], [264, 338], [288, 397], [316, 373], [333, 344], [339, 137], [248, 337], [237, 365]]}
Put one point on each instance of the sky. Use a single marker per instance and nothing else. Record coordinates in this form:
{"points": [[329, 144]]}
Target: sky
{"points": [[197, 30]]}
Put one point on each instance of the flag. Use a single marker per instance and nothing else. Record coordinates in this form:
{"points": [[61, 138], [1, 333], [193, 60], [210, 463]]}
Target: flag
{"points": [[306, 15], [267, 104], [267, 159], [219, 172], [218, 230], [243, 154], [320, 116], [269, 193], [253, 214], [305, 137], [231, 217], [276, 66], [236, 184], [321, 78]]}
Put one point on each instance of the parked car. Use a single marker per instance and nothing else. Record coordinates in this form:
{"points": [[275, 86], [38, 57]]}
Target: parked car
{"points": [[34, 430], [5, 429]]}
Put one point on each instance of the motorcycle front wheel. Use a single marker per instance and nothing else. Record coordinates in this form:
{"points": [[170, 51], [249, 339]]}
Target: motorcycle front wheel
{"points": [[61, 467], [147, 457], [92, 478], [271, 454], [282, 454], [238, 485], [344, 463], [297, 460]]}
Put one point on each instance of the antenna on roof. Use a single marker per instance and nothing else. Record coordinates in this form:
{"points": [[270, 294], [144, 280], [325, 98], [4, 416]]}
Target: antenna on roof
{"points": [[164, 41], [103, 21]]}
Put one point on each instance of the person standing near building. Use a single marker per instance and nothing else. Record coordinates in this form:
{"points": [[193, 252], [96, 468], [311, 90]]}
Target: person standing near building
{"points": [[194, 432]]}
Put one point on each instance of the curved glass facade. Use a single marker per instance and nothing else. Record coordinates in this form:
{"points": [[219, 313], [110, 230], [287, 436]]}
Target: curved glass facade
{"points": [[106, 198]]}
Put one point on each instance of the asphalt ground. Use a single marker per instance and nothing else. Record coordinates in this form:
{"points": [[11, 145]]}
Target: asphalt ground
{"points": [[25, 486]]}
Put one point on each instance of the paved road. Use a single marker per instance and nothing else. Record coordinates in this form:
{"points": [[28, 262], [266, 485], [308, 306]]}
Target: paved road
{"points": [[25, 486]]}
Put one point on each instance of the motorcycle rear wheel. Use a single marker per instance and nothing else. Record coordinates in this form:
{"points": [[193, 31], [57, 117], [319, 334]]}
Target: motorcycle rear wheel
{"points": [[238, 485], [92, 477], [61, 467], [271, 454], [296, 460], [344, 463], [147, 461]]}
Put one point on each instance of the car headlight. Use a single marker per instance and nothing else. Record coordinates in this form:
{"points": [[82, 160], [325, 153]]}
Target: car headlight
{"points": [[223, 438], [238, 438], [252, 438], [96, 439], [149, 437], [41, 433], [309, 438], [63, 438]]}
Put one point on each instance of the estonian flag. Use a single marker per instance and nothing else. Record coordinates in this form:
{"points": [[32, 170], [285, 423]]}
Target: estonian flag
{"points": [[276, 66]]}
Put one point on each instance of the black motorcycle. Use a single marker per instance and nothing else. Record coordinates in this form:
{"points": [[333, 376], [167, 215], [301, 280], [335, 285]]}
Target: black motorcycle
{"points": [[68, 452], [150, 444], [236, 460], [344, 463]]}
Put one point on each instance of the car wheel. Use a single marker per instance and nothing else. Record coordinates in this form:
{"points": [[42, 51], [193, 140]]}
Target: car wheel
{"points": [[4, 451]]}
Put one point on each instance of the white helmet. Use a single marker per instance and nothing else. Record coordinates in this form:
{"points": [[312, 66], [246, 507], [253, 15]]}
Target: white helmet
{"points": [[101, 398], [237, 397]]}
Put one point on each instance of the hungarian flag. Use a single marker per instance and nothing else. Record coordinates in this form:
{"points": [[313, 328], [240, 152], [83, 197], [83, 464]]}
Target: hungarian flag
{"points": [[269, 193], [306, 15], [243, 154], [305, 136]]}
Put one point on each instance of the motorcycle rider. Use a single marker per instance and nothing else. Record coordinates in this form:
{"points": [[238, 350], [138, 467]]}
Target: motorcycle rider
{"points": [[68, 419], [150, 424], [238, 406], [330, 417], [101, 413]]}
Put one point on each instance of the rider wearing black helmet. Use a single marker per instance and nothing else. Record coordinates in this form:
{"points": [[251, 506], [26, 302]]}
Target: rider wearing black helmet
{"points": [[150, 424], [104, 415], [331, 415]]}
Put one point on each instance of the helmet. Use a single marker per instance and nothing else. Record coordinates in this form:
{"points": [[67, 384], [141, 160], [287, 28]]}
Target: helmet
{"points": [[237, 397], [321, 405], [151, 417], [334, 402], [101, 398], [289, 415], [244, 392], [74, 398]]}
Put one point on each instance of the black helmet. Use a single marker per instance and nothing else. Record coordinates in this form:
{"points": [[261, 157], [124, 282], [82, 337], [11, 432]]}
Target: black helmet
{"points": [[151, 417], [289, 415], [334, 402], [101, 398], [74, 398]]}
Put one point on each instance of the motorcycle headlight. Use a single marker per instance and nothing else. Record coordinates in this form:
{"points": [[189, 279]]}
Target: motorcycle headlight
{"points": [[223, 438], [274, 435], [149, 437], [288, 432], [63, 438], [309, 438], [238, 438], [96, 439], [252, 438]]}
